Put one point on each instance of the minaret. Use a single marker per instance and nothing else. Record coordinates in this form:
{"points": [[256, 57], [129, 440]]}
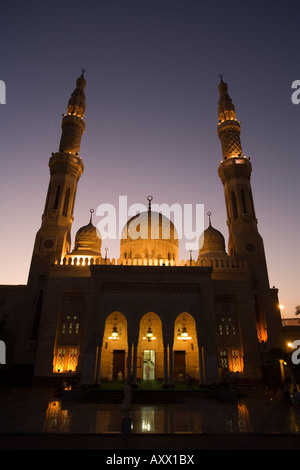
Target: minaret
{"points": [[235, 172], [244, 239], [53, 239]]}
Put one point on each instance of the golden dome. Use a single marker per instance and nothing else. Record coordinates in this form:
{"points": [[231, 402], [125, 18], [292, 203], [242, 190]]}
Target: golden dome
{"points": [[149, 235], [211, 243], [87, 240]]}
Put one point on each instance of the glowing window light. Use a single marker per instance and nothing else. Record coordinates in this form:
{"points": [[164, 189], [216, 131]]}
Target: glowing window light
{"points": [[236, 363], [73, 359], [60, 360]]}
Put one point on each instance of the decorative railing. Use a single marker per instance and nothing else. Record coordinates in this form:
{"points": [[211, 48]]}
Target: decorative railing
{"points": [[215, 263]]}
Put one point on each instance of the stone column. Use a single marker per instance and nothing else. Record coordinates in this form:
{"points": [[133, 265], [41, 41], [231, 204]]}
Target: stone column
{"points": [[171, 365], [129, 361], [98, 359], [166, 365], [200, 353], [201, 371], [135, 345]]}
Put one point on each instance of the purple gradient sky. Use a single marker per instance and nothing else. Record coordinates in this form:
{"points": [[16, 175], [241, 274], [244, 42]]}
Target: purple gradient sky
{"points": [[152, 75]]}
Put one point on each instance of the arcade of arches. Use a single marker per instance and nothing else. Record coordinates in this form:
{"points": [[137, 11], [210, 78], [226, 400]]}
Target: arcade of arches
{"points": [[152, 355]]}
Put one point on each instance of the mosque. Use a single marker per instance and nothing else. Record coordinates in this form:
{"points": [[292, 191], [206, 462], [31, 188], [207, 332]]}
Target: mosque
{"points": [[145, 315]]}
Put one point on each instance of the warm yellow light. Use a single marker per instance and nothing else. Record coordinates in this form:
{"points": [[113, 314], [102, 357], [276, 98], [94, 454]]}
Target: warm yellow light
{"points": [[290, 345], [281, 306], [115, 334], [149, 338], [184, 334]]}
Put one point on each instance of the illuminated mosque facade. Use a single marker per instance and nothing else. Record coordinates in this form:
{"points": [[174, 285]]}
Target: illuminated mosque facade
{"points": [[146, 315]]}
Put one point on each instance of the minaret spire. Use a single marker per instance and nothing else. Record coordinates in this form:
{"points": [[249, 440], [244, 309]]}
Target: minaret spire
{"points": [[209, 220], [73, 125], [235, 173], [244, 239], [229, 127], [53, 240], [91, 217]]}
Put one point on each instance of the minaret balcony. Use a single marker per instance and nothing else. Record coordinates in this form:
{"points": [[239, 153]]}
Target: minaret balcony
{"points": [[233, 167]]}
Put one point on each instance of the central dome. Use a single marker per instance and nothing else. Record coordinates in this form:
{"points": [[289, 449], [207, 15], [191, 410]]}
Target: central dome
{"points": [[150, 236]]}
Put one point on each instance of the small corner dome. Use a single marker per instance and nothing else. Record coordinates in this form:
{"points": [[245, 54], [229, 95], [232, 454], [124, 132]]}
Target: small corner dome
{"points": [[211, 243], [87, 240], [88, 233]]}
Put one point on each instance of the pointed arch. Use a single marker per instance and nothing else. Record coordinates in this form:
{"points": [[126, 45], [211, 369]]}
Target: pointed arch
{"points": [[114, 347], [150, 364], [186, 353]]}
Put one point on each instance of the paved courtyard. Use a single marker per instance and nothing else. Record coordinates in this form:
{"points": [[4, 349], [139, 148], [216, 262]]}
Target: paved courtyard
{"points": [[38, 414]]}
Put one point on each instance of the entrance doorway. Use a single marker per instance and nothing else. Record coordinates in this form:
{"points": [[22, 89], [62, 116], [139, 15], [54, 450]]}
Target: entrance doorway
{"points": [[179, 363], [118, 362], [149, 364]]}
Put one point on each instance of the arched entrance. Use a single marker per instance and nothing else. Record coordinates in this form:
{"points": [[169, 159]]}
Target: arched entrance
{"points": [[185, 347], [114, 348], [150, 348]]}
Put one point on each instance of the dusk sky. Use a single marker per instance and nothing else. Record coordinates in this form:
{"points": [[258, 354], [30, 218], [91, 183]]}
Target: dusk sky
{"points": [[152, 72]]}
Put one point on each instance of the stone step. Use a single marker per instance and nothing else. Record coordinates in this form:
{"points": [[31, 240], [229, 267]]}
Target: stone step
{"points": [[143, 397]]}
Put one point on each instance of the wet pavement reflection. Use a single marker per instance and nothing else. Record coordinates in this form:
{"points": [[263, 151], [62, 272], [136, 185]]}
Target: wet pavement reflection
{"points": [[39, 412]]}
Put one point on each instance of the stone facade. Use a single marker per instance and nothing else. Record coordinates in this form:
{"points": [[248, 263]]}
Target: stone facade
{"points": [[143, 316]]}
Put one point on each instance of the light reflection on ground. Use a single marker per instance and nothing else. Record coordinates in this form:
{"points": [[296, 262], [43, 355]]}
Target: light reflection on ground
{"points": [[38, 411]]}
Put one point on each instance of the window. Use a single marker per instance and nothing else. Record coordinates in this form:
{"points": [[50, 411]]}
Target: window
{"points": [[226, 203], [66, 203], [66, 359], [259, 320], [244, 202], [47, 201], [236, 363], [56, 197], [70, 325], [252, 205], [223, 360], [227, 327], [72, 364], [234, 206], [230, 359], [60, 360]]}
